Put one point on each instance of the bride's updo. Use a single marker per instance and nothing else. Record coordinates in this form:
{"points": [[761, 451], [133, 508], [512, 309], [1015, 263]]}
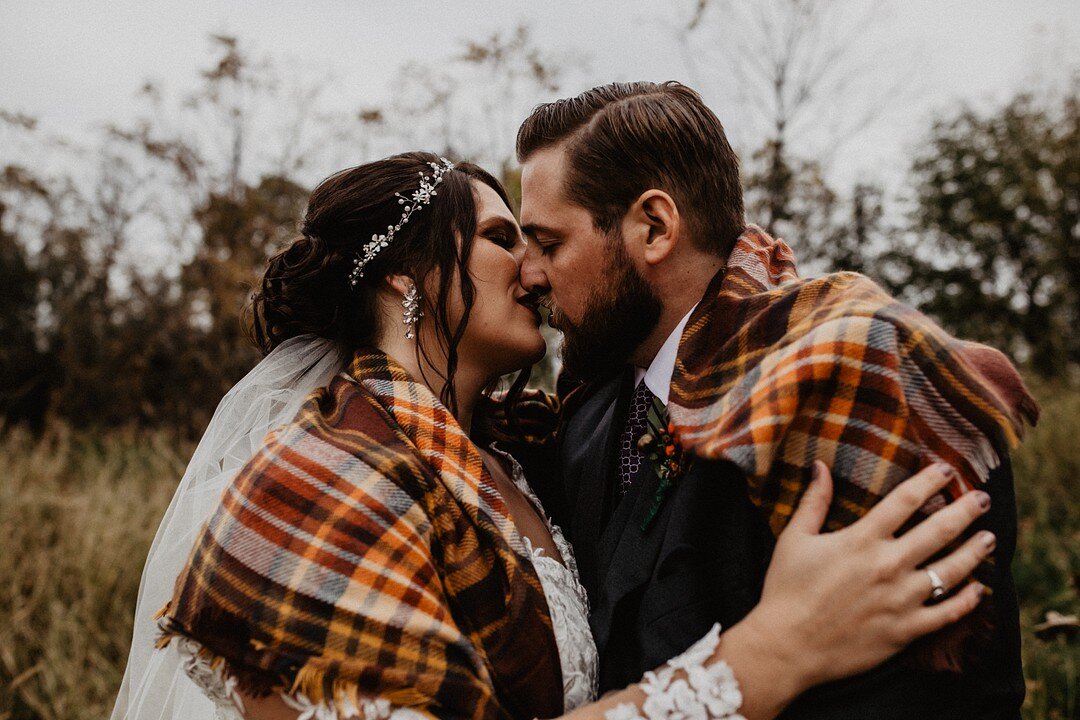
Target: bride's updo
{"points": [[306, 287]]}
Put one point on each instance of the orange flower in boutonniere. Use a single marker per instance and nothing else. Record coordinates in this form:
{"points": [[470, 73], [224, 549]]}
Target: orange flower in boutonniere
{"points": [[660, 444]]}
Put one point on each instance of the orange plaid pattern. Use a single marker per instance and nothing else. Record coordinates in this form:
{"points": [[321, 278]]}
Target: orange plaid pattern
{"points": [[364, 551], [775, 372]]}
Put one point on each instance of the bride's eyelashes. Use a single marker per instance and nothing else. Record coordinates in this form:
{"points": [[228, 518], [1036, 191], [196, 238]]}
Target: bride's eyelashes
{"points": [[502, 239], [500, 231]]}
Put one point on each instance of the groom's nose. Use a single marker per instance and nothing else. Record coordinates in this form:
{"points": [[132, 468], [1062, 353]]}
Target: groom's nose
{"points": [[531, 275]]}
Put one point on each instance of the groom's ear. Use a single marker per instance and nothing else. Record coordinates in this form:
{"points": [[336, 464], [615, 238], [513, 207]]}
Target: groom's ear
{"points": [[656, 225]]}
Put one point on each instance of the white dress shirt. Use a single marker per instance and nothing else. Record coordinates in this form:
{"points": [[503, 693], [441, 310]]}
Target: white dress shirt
{"points": [[658, 374]]}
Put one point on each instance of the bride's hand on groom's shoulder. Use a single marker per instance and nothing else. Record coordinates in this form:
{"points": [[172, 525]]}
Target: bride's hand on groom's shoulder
{"points": [[838, 603]]}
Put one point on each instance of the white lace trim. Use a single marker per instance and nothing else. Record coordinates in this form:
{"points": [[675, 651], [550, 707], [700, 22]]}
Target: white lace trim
{"points": [[702, 692], [568, 605], [217, 685], [370, 709]]}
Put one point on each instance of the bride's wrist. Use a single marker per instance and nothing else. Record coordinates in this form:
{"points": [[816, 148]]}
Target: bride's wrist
{"points": [[771, 669]]}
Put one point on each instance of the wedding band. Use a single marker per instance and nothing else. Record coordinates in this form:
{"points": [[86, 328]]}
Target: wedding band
{"points": [[937, 587]]}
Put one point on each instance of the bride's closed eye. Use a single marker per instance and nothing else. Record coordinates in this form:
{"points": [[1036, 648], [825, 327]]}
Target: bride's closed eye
{"points": [[501, 238], [503, 233]]}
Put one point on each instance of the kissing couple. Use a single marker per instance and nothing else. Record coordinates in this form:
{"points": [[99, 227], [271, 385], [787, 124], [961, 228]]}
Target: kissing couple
{"points": [[756, 495]]}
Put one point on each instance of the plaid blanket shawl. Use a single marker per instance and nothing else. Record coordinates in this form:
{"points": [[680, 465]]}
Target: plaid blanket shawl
{"points": [[774, 372], [364, 551]]}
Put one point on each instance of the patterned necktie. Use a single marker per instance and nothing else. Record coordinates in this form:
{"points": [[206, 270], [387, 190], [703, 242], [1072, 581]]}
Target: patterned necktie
{"points": [[630, 457]]}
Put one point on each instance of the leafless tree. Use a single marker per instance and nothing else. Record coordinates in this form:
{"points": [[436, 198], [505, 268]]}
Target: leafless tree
{"points": [[514, 74], [804, 78]]}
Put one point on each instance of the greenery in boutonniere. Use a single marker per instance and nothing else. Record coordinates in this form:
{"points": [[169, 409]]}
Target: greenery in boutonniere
{"points": [[661, 448]]}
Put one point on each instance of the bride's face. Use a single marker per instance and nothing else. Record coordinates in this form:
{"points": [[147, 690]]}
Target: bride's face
{"points": [[503, 334]]}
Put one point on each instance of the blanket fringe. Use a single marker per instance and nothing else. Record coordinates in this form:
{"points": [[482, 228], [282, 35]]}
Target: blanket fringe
{"points": [[313, 693]]}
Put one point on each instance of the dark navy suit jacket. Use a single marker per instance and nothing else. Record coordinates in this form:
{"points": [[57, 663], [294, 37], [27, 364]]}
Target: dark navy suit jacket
{"points": [[654, 593]]}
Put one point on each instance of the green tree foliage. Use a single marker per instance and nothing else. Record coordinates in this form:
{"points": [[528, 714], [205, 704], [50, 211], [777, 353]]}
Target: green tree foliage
{"points": [[19, 356], [64, 287], [211, 182], [92, 338], [995, 250], [239, 232], [828, 229]]}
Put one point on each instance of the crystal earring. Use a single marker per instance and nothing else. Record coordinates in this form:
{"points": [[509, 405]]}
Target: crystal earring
{"points": [[413, 313]]}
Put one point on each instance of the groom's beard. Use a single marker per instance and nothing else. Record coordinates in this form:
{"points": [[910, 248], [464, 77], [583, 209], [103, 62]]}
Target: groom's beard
{"points": [[616, 319]]}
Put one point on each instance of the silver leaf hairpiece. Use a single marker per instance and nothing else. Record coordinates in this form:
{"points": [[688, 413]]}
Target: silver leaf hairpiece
{"points": [[421, 196]]}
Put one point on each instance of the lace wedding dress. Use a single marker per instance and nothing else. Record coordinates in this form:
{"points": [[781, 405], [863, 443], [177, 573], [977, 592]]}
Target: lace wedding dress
{"points": [[567, 604]]}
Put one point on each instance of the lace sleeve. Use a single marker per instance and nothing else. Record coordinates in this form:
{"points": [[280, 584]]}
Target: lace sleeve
{"points": [[686, 687]]}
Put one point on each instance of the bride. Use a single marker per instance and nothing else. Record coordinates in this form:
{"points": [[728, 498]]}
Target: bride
{"points": [[348, 543]]}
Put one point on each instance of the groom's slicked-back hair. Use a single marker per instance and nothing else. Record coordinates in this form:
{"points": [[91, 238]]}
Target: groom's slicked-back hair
{"points": [[625, 138]]}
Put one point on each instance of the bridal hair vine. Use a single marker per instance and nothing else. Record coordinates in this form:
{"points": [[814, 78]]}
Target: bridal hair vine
{"points": [[421, 196]]}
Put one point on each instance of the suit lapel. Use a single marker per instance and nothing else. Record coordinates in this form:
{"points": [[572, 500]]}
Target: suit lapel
{"points": [[617, 556], [627, 553], [591, 447]]}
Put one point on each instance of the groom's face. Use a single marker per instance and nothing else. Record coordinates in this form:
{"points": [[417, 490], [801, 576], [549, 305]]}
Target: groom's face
{"points": [[597, 298]]}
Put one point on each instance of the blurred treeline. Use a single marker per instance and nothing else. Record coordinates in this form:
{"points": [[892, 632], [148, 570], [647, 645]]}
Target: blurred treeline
{"points": [[124, 273], [126, 264]]}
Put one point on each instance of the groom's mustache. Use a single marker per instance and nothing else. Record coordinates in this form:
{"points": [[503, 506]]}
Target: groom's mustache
{"points": [[556, 318]]}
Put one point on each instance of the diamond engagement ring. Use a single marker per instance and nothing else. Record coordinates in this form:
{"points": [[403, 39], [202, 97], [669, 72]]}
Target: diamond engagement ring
{"points": [[937, 587]]}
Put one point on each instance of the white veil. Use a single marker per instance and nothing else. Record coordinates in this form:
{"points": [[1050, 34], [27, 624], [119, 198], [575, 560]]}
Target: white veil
{"points": [[155, 686]]}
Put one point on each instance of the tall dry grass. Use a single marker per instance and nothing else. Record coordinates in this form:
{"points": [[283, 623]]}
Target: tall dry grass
{"points": [[77, 515], [78, 512]]}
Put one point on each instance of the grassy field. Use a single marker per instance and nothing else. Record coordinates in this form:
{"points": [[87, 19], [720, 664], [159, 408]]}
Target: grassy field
{"points": [[78, 512]]}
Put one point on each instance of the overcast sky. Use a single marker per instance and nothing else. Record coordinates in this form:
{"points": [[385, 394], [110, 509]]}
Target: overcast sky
{"points": [[77, 65]]}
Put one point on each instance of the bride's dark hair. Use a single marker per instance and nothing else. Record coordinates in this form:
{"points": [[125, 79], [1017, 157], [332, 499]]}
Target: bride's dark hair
{"points": [[306, 289]]}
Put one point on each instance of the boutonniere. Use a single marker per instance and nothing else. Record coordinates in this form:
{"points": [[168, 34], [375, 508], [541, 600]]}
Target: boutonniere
{"points": [[660, 444]]}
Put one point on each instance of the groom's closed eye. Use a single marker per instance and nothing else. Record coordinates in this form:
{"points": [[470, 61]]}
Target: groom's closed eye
{"points": [[543, 238], [540, 233], [547, 248]]}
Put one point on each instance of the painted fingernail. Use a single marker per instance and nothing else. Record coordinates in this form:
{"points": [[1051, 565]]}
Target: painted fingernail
{"points": [[946, 470], [983, 499], [987, 539]]}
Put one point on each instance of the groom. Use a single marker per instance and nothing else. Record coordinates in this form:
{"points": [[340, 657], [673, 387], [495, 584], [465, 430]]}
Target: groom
{"points": [[632, 204]]}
